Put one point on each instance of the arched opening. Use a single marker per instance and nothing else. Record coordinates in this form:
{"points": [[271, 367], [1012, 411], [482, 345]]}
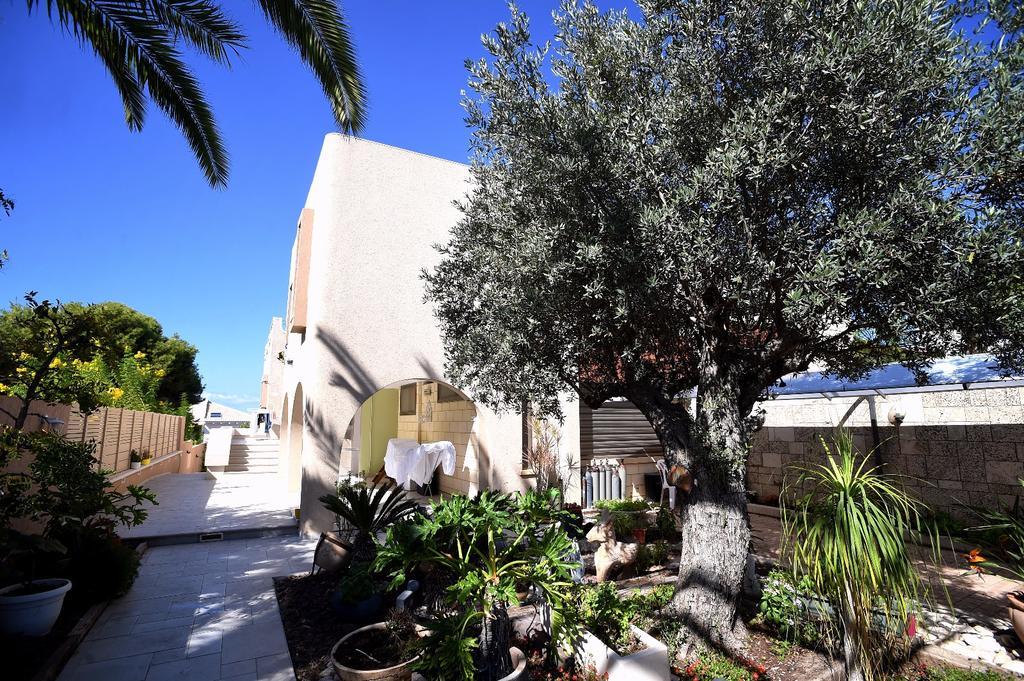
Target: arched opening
{"points": [[402, 432], [296, 425], [283, 430]]}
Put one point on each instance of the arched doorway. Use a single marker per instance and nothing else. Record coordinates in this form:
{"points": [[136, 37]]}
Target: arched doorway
{"points": [[411, 412], [296, 426]]}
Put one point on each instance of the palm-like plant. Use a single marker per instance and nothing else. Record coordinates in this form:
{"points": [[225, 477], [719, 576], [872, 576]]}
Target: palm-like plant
{"points": [[139, 43], [846, 532], [367, 511]]}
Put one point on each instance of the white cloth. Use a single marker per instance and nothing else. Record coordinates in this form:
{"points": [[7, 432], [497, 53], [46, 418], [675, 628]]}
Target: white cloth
{"points": [[399, 458], [410, 462], [429, 456]]}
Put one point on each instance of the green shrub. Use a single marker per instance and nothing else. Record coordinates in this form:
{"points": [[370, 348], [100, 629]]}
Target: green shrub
{"points": [[357, 584], [713, 666], [650, 555], [100, 565], [626, 514], [923, 673], [782, 609]]}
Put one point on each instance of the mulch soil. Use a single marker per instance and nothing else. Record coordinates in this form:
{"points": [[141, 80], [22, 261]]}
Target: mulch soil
{"points": [[310, 624], [24, 656]]}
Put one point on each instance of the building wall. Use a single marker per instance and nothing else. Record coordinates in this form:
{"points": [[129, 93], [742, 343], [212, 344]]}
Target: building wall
{"points": [[378, 424], [272, 383], [374, 213], [962, 447]]}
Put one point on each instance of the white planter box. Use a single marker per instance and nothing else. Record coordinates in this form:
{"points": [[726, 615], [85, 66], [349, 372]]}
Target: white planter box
{"points": [[649, 664]]}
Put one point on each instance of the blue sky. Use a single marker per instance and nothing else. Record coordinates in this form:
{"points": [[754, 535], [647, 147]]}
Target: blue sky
{"points": [[105, 214]]}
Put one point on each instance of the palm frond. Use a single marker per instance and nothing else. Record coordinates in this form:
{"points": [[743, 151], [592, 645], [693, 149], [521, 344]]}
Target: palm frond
{"points": [[140, 52], [317, 29], [201, 24]]}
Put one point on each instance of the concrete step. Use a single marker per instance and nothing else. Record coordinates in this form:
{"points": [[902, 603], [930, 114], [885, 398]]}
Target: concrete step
{"points": [[249, 468]]}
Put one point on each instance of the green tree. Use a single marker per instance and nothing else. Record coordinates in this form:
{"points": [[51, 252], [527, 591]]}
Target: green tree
{"points": [[711, 197], [140, 43], [39, 341], [121, 329]]}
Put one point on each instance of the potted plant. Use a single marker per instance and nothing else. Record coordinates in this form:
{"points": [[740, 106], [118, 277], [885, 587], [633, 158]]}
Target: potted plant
{"points": [[358, 597], [31, 606], [611, 643], [147, 458], [135, 460], [384, 651], [480, 552]]}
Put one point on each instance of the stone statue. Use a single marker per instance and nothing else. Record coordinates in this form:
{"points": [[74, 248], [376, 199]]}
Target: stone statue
{"points": [[612, 555]]}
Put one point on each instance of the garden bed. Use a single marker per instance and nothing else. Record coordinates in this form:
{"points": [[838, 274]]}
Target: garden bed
{"points": [[310, 624]]}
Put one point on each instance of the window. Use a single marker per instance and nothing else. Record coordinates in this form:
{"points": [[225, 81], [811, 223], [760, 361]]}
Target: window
{"points": [[214, 414], [446, 394], [407, 400]]}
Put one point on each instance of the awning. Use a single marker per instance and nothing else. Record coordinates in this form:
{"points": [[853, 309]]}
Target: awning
{"points": [[951, 373]]}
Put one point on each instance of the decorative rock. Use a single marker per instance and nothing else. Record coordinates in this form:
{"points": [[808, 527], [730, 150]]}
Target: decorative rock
{"points": [[611, 554]]}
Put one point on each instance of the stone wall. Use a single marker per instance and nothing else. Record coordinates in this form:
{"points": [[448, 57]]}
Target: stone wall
{"points": [[959, 448], [452, 421]]}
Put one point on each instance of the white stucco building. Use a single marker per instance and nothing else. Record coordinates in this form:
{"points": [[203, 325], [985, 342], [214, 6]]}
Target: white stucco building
{"points": [[357, 330]]}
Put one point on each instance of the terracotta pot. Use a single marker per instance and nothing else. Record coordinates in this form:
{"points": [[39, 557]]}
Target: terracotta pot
{"points": [[1016, 601], [399, 672]]}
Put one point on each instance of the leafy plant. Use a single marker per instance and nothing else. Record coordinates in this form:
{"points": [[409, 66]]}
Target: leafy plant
{"points": [[1004, 527], [356, 584], [935, 673], [783, 609], [367, 511], [846, 536], [626, 514], [712, 665], [486, 548], [650, 555], [64, 488], [608, 616], [666, 523]]}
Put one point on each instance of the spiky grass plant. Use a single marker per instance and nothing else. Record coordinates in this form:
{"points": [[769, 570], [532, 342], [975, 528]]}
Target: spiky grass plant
{"points": [[845, 529]]}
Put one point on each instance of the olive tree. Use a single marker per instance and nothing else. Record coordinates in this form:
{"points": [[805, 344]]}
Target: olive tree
{"points": [[709, 197]]}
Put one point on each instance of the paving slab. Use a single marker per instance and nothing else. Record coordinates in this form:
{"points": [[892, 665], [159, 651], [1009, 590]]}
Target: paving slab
{"points": [[172, 624], [196, 503]]}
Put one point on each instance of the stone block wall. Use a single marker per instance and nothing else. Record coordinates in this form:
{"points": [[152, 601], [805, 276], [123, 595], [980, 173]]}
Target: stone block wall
{"points": [[452, 421], [957, 448]]}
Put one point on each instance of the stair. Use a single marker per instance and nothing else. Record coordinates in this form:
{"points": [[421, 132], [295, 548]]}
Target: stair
{"points": [[253, 455]]}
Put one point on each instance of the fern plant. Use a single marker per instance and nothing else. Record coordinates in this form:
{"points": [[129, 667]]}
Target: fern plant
{"points": [[845, 533]]}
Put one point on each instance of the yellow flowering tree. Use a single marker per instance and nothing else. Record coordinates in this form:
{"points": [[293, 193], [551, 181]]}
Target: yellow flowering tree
{"points": [[40, 343]]}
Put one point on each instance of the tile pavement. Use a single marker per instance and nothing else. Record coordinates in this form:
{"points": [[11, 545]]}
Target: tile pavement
{"points": [[199, 612], [202, 502]]}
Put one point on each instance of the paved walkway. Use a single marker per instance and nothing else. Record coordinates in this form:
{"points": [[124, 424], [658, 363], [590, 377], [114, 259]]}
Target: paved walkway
{"points": [[199, 612], [192, 503]]}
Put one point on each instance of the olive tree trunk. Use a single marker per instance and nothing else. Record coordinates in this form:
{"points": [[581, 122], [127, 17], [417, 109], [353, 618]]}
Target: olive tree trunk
{"points": [[713, 445]]}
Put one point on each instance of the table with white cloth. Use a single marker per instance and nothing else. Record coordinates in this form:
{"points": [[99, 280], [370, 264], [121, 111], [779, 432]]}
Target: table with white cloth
{"points": [[412, 463]]}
